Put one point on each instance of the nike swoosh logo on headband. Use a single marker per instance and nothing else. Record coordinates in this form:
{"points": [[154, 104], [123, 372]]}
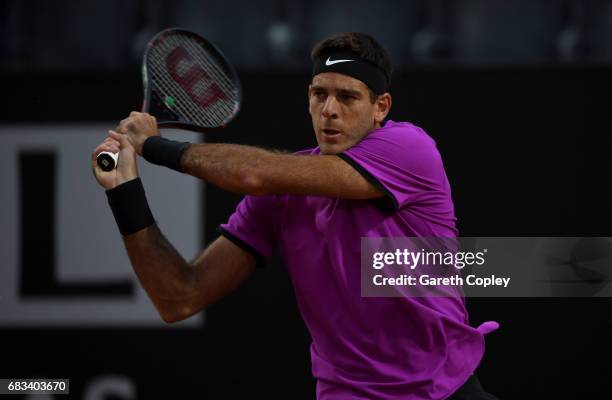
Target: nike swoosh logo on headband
{"points": [[332, 62]]}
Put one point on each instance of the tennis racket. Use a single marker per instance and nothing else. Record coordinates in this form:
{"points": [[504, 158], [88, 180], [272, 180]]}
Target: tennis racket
{"points": [[188, 84]]}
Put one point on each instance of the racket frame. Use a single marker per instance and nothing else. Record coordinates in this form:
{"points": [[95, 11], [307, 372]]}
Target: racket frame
{"points": [[150, 90]]}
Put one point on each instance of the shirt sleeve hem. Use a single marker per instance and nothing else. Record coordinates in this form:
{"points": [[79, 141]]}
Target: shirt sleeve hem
{"points": [[260, 259], [392, 201]]}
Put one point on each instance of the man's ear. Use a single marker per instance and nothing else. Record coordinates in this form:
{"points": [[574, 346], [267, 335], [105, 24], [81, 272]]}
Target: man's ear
{"points": [[308, 97], [382, 107]]}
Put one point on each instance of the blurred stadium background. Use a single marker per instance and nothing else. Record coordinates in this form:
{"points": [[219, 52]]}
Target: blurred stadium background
{"points": [[516, 93], [94, 35]]}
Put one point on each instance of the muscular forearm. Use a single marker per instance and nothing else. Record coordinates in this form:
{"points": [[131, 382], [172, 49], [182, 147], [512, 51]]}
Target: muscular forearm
{"points": [[237, 168], [251, 170], [168, 279]]}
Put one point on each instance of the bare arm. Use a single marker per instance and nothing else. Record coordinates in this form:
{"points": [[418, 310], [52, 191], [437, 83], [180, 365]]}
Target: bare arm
{"points": [[179, 289], [251, 170]]}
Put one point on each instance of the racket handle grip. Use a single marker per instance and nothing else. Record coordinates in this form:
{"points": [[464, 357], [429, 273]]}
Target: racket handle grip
{"points": [[107, 161]]}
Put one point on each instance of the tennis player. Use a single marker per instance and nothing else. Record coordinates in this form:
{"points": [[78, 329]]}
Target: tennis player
{"points": [[368, 177]]}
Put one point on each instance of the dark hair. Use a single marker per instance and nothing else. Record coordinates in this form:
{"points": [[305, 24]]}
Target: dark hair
{"points": [[360, 44]]}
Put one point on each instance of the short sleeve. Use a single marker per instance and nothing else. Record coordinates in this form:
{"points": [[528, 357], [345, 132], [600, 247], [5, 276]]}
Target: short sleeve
{"points": [[251, 227], [401, 160]]}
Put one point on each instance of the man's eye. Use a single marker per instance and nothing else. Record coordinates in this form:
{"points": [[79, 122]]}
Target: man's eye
{"points": [[318, 95]]}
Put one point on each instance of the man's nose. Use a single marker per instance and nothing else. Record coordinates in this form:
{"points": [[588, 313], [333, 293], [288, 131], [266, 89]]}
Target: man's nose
{"points": [[330, 108]]}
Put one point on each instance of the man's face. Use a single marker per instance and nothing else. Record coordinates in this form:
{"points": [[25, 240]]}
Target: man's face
{"points": [[342, 111]]}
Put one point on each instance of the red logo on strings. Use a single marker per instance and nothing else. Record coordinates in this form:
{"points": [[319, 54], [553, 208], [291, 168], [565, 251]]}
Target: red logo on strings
{"points": [[192, 78]]}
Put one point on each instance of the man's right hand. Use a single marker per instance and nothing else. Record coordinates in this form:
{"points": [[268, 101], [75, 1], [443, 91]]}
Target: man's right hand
{"points": [[126, 164]]}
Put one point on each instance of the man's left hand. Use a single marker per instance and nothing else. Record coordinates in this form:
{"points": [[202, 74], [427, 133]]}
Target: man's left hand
{"points": [[138, 127]]}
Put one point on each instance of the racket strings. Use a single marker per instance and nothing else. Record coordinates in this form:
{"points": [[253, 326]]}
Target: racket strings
{"points": [[222, 106], [202, 60], [219, 109], [212, 68], [184, 105], [158, 74]]}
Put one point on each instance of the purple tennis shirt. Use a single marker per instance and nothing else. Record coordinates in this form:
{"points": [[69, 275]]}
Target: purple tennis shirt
{"points": [[408, 348]]}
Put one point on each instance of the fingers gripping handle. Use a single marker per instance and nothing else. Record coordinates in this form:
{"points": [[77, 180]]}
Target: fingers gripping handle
{"points": [[107, 161]]}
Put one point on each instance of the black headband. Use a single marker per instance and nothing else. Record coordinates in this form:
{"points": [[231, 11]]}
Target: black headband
{"points": [[349, 64]]}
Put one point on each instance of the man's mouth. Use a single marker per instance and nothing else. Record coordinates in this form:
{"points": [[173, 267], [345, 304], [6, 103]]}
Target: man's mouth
{"points": [[328, 132]]}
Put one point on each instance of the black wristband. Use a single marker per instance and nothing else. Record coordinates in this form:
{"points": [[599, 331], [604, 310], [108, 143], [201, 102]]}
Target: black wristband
{"points": [[130, 207], [161, 151]]}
